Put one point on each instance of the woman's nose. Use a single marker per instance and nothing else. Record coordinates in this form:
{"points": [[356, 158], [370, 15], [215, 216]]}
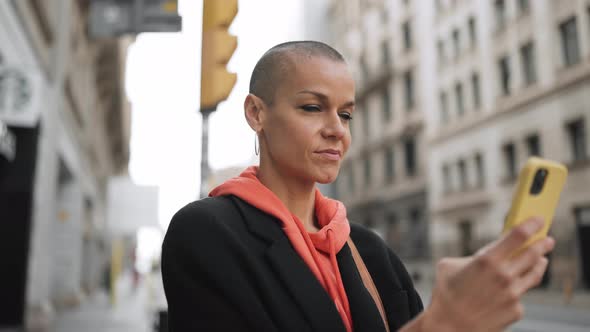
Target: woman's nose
{"points": [[334, 125]]}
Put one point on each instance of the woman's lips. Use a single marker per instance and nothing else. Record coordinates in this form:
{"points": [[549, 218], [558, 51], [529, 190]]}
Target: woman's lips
{"points": [[330, 154]]}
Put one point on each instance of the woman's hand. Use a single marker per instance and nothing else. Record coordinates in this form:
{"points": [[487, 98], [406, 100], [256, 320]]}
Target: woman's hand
{"points": [[482, 292]]}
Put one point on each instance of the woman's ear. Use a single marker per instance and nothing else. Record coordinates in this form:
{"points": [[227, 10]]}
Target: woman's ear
{"points": [[254, 112]]}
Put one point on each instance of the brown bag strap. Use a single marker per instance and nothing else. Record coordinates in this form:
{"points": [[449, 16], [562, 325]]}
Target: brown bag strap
{"points": [[368, 281]]}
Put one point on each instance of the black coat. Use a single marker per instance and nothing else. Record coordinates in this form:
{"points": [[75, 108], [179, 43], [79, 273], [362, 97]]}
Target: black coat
{"points": [[228, 266]]}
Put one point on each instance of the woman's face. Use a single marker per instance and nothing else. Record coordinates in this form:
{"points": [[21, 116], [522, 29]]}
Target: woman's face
{"points": [[306, 133]]}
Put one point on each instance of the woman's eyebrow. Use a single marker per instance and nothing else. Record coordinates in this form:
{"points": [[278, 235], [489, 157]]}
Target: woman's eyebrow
{"points": [[324, 98], [348, 104], [319, 95]]}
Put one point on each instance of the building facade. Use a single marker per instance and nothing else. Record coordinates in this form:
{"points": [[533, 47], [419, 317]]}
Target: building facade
{"points": [[53, 193], [473, 88], [511, 81], [383, 179]]}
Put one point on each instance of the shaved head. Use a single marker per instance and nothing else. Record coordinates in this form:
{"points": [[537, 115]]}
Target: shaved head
{"points": [[275, 65]]}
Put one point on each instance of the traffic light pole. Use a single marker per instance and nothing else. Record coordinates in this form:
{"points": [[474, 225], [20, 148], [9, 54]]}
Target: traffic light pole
{"points": [[205, 171], [217, 47]]}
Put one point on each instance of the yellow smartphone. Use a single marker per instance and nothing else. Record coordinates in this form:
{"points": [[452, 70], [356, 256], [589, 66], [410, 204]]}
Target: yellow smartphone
{"points": [[537, 193]]}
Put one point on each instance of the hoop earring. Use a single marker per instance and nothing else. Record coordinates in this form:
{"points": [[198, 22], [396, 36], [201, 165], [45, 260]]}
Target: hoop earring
{"points": [[256, 146]]}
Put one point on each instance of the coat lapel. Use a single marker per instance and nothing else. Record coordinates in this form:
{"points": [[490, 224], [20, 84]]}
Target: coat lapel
{"points": [[318, 307], [315, 303]]}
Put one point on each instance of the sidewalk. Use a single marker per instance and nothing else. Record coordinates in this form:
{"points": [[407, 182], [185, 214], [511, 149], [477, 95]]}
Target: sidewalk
{"points": [[132, 312], [580, 299]]}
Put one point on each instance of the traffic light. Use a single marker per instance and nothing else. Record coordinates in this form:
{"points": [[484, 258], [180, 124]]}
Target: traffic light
{"points": [[217, 48]]}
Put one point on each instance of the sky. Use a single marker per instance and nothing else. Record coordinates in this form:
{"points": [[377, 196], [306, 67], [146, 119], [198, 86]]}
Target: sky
{"points": [[163, 86]]}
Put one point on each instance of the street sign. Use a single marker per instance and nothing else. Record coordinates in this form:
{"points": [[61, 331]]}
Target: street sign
{"points": [[110, 18], [20, 92]]}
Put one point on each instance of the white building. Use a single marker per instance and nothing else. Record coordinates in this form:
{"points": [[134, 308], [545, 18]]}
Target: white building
{"points": [[55, 247], [489, 83], [383, 179], [512, 80]]}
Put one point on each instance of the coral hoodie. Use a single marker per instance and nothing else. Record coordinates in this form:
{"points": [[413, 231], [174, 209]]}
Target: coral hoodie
{"points": [[318, 249]]}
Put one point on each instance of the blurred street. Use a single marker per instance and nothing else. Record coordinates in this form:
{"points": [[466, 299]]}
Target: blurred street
{"points": [[545, 318], [114, 114], [132, 312], [545, 311]]}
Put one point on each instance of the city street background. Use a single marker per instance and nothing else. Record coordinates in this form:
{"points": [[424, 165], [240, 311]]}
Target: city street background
{"points": [[101, 140]]}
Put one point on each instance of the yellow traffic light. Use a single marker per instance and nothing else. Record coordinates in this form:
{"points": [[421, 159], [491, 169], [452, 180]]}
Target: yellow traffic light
{"points": [[217, 48], [170, 6]]}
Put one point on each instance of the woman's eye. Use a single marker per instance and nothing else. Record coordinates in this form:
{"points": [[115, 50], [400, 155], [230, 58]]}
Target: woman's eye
{"points": [[346, 116], [311, 108]]}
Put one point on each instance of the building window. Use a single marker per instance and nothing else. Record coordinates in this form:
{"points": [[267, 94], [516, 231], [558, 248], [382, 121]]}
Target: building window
{"points": [[524, 6], [417, 234], [410, 152], [533, 144], [569, 41], [385, 54], [509, 152], [577, 135], [340, 188], [479, 170], [415, 217], [389, 164], [367, 170], [440, 46], [393, 232], [527, 55], [409, 90], [456, 43], [500, 13], [446, 173], [444, 107], [504, 71], [475, 89], [462, 174], [365, 112], [386, 104], [466, 236], [472, 32], [364, 70], [459, 99], [351, 179], [407, 33]]}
